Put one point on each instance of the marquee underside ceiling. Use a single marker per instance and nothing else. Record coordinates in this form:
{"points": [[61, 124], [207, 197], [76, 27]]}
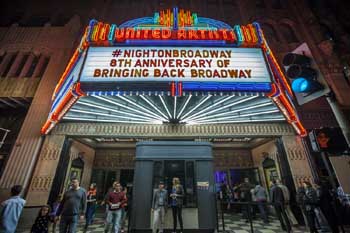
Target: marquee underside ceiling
{"points": [[191, 109]]}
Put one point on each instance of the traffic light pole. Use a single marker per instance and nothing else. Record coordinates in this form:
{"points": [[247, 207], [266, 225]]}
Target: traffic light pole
{"points": [[339, 115]]}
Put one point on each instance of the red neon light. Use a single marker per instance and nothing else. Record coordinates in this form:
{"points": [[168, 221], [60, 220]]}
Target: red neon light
{"points": [[172, 89]]}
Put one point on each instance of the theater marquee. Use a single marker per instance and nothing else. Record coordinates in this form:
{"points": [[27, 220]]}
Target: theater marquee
{"points": [[175, 64]]}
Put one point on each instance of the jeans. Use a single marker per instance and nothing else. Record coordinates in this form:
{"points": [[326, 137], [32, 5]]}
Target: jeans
{"points": [[68, 224], [90, 213], [262, 210], [158, 219], [113, 217], [311, 220], [177, 214]]}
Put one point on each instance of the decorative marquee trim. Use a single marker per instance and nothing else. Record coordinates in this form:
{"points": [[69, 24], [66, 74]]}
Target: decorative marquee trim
{"points": [[172, 131], [171, 26]]}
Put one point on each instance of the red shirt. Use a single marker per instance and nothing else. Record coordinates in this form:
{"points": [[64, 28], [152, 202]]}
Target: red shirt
{"points": [[116, 197]]}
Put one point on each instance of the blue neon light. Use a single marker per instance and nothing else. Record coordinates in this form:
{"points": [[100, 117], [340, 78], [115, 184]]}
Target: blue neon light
{"points": [[218, 86], [175, 13], [111, 33], [300, 85]]}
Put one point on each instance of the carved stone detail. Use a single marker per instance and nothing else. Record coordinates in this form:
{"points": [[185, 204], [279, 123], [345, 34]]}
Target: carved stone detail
{"points": [[170, 131], [45, 170], [297, 158]]}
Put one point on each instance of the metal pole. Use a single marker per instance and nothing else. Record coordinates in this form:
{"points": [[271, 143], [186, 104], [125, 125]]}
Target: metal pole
{"points": [[339, 115], [222, 211]]}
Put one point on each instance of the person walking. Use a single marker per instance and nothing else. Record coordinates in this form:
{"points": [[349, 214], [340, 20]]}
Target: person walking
{"points": [[72, 206], [91, 206], [125, 210], [115, 201], [177, 194], [261, 198], [159, 207], [286, 195], [277, 198], [309, 200], [42, 221], [11, 210]]}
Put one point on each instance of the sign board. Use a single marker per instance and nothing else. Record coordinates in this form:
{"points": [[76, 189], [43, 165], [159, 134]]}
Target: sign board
{"points": [[143, 64], [303, 98]]}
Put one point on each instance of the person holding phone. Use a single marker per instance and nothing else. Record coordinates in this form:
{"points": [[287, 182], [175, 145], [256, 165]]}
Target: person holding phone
{"points": [[177, 194], [115, 200]]}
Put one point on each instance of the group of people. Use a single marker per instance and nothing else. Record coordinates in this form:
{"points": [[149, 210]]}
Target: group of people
{"points": [[76, 204], [160, 205], [311, 200]]}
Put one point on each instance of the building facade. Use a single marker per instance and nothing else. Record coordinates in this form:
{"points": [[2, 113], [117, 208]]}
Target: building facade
{"points": [[36, 46]]}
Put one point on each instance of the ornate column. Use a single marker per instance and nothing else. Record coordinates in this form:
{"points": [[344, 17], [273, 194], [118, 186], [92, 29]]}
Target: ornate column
{"points": [[297, 158], [40, 65], [27, 65], [16, 65], [5, 62], [40, 186]]}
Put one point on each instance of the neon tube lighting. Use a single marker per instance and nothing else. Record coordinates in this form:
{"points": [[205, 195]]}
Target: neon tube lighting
{"points": [[113, 121], [184, 106], [211, 106], [239, 115], [165, 106], [236, 110], [110, 109], [104, 114], [155, 107], [175, 99], [197, 106], [124, 106], [240, 121], [242, 100], [139, 106]]}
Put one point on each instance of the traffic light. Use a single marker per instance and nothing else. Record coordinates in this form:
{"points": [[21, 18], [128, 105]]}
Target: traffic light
{"points": [[330, 140], [306, 79]]}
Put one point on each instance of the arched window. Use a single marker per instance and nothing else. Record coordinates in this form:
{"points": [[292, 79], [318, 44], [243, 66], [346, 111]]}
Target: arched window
{"points": [[288, 33], [269, 32]]}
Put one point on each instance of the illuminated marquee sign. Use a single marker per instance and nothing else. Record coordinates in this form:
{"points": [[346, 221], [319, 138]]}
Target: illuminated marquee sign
{"points": [[106, 64]]}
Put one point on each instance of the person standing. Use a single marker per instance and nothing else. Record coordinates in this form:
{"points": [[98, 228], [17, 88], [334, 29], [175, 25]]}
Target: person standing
{"points": [[53, 213], [115, 201], [11, 210], [310, 201], [177, 194], [159, 207], [72, 206], [91, 206], [261, 198], [42, 221], [246, 196], [277, 198]]}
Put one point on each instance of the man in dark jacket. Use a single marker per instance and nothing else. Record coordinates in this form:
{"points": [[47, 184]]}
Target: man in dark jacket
{"points": [[277, 198], [73, 204]]}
